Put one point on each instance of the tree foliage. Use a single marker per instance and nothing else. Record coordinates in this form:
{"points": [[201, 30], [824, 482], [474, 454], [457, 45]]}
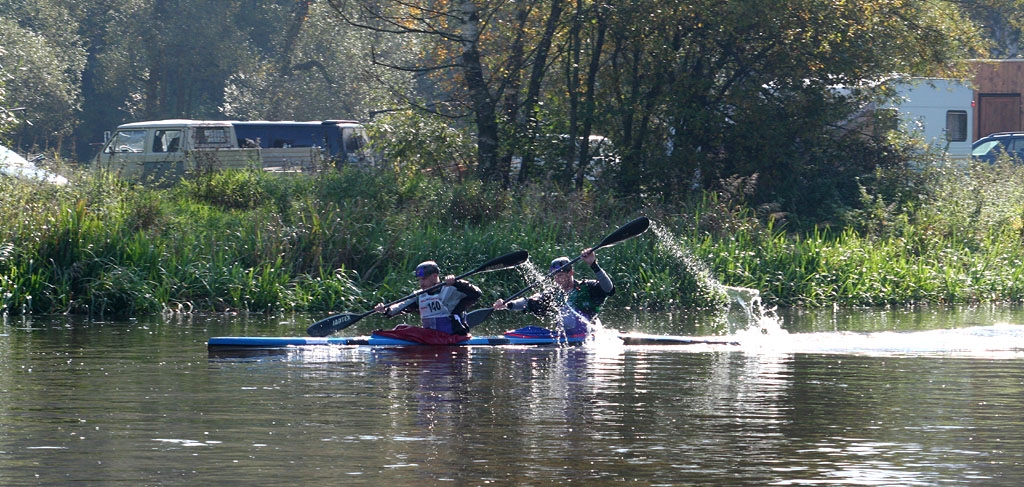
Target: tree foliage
{"points": [[317, 71], [692, 93], [169, 59], [746, 88], [1002, 22], [481, 60], [40, 74]]}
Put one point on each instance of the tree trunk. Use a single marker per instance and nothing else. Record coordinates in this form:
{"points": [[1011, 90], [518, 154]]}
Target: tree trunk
{"points": [[540, 61], [589, 103], [483, 102]]}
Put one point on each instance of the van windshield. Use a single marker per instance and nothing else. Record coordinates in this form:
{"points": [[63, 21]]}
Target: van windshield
{"points": [[127, 141]]}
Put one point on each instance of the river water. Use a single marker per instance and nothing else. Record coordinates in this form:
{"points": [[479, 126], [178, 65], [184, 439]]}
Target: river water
{"points": [[831, 397]]}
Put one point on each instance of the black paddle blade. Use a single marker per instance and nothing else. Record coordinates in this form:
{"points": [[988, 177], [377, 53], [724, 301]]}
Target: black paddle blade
{"points": [[511, 259], [478, 316], [332, 324], [627, 231]]}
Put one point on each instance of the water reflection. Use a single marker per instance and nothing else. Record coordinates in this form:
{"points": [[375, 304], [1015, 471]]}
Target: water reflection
{"points": [[142, 403]]}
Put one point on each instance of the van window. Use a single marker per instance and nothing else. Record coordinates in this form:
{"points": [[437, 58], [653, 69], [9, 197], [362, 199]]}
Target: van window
{"points": [[956, 125], [213, 138], [281, 134], [354, 139], [165, 140], [127, 141], [337, 142]]}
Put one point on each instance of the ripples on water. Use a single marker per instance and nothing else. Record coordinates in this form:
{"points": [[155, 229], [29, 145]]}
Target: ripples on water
{"points": [[143, 404], [883, 408]]}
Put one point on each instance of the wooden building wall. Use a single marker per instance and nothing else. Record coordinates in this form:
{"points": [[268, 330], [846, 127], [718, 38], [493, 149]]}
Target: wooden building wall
{"points": [[998, 85]]}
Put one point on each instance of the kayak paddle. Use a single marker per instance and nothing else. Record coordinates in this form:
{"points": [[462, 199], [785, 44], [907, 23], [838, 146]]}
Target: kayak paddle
{"points": [[341, 321], [627, 231]]}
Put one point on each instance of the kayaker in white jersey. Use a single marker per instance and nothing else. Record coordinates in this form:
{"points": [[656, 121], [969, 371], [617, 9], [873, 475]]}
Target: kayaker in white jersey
{"points": [[574, 303], [440, 310]]}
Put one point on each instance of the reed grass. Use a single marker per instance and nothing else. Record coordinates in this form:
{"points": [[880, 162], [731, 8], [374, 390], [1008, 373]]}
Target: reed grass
{"points": [[254, 242]]}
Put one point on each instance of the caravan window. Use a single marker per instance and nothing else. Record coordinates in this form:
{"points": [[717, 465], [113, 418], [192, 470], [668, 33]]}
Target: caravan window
{"points": [[956, 125], [127, 141]]}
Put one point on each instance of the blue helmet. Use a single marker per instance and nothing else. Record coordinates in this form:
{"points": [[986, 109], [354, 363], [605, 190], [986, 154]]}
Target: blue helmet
{"points": [[427, 268]]}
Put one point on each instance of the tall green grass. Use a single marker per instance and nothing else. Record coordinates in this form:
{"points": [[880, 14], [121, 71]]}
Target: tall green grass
{"points": [[257, 242], [957, 241]]}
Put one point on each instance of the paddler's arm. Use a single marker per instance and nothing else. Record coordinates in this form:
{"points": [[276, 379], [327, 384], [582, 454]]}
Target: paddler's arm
{"points": [[538, 304], [393, 310], [603, 279], [514, 305], [470, 294]]}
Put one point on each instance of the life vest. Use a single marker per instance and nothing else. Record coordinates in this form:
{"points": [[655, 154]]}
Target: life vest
{"points": [[435, 314], [574, 322], [582, 298]]}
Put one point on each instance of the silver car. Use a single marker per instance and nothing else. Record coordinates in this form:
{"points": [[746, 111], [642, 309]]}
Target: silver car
{"points": [[14, 165]]}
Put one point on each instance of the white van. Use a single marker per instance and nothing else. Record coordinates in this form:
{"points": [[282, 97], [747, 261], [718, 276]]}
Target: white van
{"points": [[165, 151]]}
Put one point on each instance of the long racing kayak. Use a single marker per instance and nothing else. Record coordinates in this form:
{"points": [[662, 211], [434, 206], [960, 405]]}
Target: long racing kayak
{"points": [[239, 343], [644, 339], [217, 344]]}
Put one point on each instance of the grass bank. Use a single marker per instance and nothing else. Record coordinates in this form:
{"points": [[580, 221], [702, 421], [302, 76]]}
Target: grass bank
{"points": [[250, 241]]}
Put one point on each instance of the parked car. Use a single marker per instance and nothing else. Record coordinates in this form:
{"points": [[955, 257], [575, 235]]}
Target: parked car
{"points": [[991, 147], [14, 165]]}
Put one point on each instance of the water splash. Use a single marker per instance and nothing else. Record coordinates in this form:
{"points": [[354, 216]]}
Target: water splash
{"points": [[745, 313], [537, 277], [997, 341], [748, 311], [668, 242]]}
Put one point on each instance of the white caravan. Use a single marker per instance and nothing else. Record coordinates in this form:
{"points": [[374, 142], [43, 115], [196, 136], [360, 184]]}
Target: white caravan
{"points": [[937, 111]]}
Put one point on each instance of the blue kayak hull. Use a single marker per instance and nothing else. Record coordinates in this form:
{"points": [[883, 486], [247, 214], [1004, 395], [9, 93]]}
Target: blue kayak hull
{"points": [[220, 343], [256, 343]]}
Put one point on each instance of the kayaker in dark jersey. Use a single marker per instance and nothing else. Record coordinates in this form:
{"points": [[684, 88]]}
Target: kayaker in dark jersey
{"points": [[440, 310], [575, 303]]}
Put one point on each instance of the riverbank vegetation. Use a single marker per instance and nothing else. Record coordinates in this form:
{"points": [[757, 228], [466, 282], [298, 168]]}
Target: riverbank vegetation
{"points": [[256, 242]]}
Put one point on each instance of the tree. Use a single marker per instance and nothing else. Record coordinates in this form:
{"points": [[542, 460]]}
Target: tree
{"points": [[469, 59], [1001, 22], [41, 78], [170, 59], [521, 106], [318, 71], [704, 91], [153, 59]]}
